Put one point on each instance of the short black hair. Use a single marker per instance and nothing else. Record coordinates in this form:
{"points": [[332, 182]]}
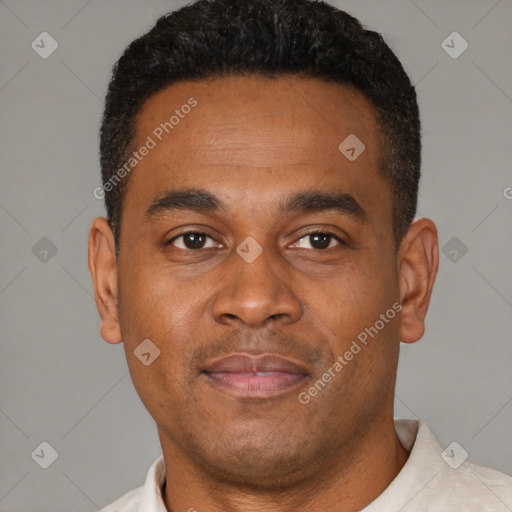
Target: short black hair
{"points": [[267, 38]]}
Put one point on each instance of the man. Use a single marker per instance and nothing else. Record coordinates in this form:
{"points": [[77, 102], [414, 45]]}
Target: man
{"points": [[260, 263]]}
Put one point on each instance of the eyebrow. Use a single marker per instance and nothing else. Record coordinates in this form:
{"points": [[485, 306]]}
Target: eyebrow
{"points": [[315, 202], [185, 199], [202, 201]]}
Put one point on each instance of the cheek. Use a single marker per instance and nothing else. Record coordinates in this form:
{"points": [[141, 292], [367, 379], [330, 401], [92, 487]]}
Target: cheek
{"points": [[349, 300], [151, 309], [351, 308], [149, 301], [158, 306]]}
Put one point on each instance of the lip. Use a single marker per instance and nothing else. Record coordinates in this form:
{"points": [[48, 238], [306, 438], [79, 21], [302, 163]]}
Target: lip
{"points": [[255, 376]]}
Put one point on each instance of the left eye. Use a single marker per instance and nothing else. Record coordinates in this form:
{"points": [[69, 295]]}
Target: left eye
{"points": [[320, 240]]}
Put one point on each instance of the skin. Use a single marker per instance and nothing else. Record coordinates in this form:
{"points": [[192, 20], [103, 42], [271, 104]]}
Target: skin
{"points": [[252, 142]]}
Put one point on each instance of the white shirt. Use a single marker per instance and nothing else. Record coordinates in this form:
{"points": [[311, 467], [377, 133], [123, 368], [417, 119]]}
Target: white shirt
{"points": [[427, 482]]}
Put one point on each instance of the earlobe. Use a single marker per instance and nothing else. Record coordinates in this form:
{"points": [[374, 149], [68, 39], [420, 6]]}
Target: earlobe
{"points": [[103, 269], [419, 261]]}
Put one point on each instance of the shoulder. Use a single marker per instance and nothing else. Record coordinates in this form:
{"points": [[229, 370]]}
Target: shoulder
{"points": [[147, 497], [437, 480], [479, 487], [455, 483]]}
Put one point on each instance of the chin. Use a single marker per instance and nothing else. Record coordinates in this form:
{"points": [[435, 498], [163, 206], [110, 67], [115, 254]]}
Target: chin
{"points": [[256, 463]]}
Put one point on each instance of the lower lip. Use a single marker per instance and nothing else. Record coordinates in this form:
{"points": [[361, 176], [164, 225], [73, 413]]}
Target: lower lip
{"points": [[261, 384]]}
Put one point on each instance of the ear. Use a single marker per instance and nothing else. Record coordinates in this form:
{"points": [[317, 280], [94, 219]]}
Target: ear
{"points": [[419, 261], [103, 268]]}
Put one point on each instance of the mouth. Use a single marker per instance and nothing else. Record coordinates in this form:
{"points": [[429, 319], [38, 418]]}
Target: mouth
{"points": [[249, 376]]}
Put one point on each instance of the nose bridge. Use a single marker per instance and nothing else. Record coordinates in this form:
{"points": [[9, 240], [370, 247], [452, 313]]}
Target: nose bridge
{"points": [[255, 288], [256, 266]]}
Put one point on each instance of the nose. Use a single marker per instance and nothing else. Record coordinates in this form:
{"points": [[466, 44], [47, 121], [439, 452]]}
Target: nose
{"points": [[257, 293]]}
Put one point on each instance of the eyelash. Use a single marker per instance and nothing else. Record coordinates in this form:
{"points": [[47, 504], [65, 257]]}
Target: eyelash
{"points": [[304, 235]]}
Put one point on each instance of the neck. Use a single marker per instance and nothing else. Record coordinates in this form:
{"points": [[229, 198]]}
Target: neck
{"points": [[346, 481]]}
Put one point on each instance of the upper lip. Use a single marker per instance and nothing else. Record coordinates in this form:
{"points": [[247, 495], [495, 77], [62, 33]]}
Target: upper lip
{"points": [[241, 362]]}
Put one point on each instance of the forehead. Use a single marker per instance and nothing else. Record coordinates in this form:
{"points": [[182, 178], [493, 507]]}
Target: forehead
{"points": [[246, 113], [255, 138]]}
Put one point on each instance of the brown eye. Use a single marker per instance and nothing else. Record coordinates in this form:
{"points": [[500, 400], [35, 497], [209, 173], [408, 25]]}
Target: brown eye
{"points": [[192, 240], [320, 240]]}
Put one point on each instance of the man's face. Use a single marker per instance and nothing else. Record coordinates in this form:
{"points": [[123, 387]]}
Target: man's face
{"points": [[255, 144]]}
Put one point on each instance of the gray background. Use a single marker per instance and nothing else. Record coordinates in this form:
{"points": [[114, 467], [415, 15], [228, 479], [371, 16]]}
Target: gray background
{"points": [[61, 383]]}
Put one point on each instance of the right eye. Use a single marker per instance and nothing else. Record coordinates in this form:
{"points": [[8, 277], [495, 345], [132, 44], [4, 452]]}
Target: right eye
{"points": [[191, 240]]}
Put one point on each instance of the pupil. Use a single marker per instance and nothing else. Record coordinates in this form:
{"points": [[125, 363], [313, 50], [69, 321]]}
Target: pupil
{"points": [[321, 236], [194, 240]]}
